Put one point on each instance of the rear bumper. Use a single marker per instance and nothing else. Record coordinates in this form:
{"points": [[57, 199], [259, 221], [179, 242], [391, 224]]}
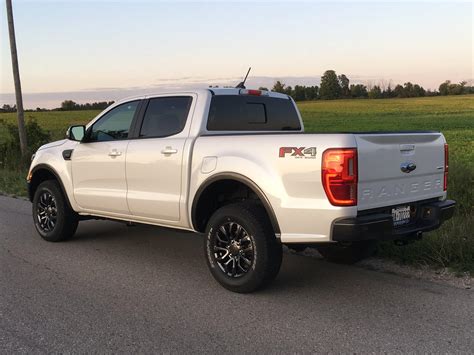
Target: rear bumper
{"points": [[379, 226]]}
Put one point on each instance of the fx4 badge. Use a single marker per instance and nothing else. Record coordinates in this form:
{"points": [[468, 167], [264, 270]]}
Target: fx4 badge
{"points": [[301, 152]]}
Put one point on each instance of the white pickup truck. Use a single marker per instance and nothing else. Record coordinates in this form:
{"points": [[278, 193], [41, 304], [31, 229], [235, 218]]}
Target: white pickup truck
{"points": [[235, 164]]}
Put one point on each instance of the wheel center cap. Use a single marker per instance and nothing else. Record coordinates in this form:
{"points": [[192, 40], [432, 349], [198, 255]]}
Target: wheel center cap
{"points": [[234, 249]]}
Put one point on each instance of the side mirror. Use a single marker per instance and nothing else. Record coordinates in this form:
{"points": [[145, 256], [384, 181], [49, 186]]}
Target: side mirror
{"points": [[76, 133]]}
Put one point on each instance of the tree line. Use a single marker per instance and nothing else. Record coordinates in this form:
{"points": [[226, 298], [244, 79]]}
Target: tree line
{"points": [[335, 86], [332, 87], [66, 105]]}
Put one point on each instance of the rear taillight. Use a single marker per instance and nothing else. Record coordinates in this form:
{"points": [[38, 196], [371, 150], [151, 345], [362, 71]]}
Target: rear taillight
{"points": [[339, 176], [446, 166]]}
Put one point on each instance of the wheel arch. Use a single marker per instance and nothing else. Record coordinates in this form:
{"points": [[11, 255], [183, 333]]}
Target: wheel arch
{"points": [[43, 172], [207, 187]]}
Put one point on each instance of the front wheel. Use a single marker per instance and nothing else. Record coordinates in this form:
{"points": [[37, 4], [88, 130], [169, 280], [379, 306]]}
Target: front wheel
{"points": [[241, 249], [53, 218]]}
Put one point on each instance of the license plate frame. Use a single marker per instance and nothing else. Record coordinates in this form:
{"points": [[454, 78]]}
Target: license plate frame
{"points": [[401, 215]]}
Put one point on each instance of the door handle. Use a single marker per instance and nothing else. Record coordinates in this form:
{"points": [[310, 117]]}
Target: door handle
{"points": [[114, 153], [169, 150]]}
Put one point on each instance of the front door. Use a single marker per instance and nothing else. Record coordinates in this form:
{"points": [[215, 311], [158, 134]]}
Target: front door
{"points": [[154, 164], [98, 163]]}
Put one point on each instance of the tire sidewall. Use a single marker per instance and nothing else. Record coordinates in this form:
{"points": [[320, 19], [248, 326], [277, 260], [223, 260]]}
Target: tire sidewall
{"points": [[256, 273], [48, 186]]}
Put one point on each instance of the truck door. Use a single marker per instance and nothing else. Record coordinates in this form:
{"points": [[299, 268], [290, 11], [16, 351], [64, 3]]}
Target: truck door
{"points": [[154, 164], [98, 164]]}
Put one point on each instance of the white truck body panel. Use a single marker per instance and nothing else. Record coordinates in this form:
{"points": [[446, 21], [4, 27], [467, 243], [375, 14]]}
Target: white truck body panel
{"points": [[381, 181], [292, 186]]}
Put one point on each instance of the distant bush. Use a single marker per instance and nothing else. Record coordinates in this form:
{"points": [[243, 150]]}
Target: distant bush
{"points": [[10, 156]]}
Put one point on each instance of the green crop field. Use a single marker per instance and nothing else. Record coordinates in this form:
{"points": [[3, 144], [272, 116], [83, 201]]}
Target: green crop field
{"points": [[451, 246]]}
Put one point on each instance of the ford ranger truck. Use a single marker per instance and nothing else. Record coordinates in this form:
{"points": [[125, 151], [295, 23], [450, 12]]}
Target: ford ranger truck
{"points": [[236, 165]]}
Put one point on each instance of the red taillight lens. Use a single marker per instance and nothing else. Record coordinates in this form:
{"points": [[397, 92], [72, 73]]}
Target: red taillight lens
{"points": [[339, 176], [446, 166]]}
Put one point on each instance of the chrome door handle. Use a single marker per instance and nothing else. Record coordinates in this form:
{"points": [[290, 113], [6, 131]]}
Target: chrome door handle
{"points": [[115, 153], [169, 150]]}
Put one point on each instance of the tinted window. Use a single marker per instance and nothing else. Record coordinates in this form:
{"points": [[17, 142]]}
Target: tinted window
{"points": [[252, 113], [115, 124], [165, 116]]}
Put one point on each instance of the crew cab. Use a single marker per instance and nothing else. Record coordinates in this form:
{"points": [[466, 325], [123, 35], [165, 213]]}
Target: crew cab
{"points": [[236, 165]]}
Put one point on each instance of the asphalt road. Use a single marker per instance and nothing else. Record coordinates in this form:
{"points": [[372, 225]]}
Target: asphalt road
{"points": [[115, 288]]}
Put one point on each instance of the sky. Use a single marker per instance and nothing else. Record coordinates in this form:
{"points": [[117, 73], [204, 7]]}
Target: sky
{"points": [[105, 50]]}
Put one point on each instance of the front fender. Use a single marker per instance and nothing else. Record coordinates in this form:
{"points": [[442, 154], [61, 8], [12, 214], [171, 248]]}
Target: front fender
{"points": [[51, 159]]}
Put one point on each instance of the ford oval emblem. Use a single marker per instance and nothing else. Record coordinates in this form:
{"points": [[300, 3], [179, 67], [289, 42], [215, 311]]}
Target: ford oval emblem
{"points": [[407, 167]]}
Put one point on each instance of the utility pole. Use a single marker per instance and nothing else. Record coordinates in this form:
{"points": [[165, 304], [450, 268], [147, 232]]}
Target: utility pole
{"points": [[16, 78]]}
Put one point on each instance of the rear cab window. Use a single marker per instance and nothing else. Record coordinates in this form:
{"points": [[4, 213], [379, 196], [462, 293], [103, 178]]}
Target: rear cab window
{"points": [[252, 113]]}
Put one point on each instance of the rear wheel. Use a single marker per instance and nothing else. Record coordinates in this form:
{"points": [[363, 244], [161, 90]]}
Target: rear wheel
{"points": [[347, 253], [241, 249], [53, 218]]}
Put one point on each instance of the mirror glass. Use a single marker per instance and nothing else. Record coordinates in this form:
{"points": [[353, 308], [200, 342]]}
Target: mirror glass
{"points": [[76, 133]]}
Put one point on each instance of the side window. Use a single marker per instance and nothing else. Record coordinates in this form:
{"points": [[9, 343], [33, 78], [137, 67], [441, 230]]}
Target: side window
{"points": [[165, 116], [115, 124]]}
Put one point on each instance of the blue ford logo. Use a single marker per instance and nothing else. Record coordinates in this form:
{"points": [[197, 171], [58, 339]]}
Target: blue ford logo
{"points": [[407, 167]]}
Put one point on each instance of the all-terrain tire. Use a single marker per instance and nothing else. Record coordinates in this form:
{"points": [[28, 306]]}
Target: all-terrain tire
{"points": [[246, 232], [53, 218]]}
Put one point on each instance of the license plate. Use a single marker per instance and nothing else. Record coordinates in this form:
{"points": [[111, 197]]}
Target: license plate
{"points": [[401, 215]]}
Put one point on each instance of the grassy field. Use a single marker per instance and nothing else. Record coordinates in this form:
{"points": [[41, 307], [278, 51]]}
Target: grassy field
{"points": [[452, 245]]}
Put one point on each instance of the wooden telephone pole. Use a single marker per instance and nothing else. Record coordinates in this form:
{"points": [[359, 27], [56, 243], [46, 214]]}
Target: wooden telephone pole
{"points": [[16, 78]]}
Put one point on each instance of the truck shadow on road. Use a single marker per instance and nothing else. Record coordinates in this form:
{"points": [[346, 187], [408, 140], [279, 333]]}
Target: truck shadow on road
{"points": [[180, 254]]}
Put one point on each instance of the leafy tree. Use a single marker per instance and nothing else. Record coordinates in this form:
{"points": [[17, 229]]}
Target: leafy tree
{"points": [[68, 105], [389, 93], [444, 88], [358, 91], [299, 93], [399, 91], [279, 87], [330, 88], [8, 108], [418, 91], [375, 92], [456, 89], [311, 92], [408, 89], [344, 83]]}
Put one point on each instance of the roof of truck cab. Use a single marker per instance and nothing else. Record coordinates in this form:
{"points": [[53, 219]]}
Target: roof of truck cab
{"points": [[213, 91]]}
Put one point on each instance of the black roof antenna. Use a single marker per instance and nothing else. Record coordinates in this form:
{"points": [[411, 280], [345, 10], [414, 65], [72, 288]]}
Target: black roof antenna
{"points": [[242, 83]]}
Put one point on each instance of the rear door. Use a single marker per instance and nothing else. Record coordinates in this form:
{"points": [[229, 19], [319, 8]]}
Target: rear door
{"points": [[395, 168], [154, 166]]}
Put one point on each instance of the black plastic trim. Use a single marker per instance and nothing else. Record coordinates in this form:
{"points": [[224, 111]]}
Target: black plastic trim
{"points": [[67, 154], [53, 172], [379, 226], [244, 180]]}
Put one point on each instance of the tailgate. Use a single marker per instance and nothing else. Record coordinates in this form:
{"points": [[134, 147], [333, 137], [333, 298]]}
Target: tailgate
{"points": [[396, 168]]}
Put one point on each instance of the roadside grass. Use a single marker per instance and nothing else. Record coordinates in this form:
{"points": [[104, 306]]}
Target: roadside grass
{"points": [[450, 246], [13, 182]]}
